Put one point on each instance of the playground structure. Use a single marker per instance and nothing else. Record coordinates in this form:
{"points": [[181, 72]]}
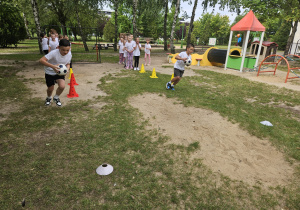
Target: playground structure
{"points": [[248, 23], [273, 61], [267, 48], [212, 57]]}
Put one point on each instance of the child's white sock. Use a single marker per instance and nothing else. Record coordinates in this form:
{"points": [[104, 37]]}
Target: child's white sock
{"points": [[56, 96], [49, 97]]}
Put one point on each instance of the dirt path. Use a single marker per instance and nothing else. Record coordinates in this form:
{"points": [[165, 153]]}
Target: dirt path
{"points": [[224, 147]]}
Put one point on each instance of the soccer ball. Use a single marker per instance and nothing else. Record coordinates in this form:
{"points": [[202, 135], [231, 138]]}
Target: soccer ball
{"points": [[63, 70], [188, 62]]}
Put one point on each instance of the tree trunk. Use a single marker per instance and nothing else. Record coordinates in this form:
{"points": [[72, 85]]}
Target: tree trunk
{"points": [[291, 38], [191, 28], [134, 18], [37, 23], [26, 26], [116, 25], [165, 26], [80, 29], [173, 26]]}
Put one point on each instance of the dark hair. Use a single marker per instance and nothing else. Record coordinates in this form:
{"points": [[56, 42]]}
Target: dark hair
{"points": [[190, 45], [42, 35], [64, 43]]}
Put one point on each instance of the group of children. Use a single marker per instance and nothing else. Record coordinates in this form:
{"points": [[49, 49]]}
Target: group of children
{"points": [[129, 48], [58, 51], [52, 42]]}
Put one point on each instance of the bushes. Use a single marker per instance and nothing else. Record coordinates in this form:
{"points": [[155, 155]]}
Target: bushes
{"points": [[12, 28]]}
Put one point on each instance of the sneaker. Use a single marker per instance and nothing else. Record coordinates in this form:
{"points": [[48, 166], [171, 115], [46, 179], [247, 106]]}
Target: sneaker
{"points": [[137, 68], [48, 101], [127, 68], [57, 101], [168, 86], [134, 69], [172, 87]]}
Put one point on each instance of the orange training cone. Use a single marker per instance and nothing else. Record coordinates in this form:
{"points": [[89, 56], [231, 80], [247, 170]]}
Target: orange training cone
{"points": [[72, 92], [153, 74], [73, 80]]}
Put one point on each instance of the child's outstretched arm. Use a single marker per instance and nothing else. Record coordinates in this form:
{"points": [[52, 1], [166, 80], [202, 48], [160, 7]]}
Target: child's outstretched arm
{"points": [[44, 61], [179, 58]]}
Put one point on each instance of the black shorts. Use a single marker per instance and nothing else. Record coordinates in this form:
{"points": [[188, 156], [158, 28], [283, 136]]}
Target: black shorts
{"points": [[178, 72], [50, 79], [46, 51]]}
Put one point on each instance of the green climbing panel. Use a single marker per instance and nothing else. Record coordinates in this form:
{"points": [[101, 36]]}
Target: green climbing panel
{"points": [[234, 62]]}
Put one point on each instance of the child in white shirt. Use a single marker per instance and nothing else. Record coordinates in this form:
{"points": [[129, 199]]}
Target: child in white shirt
{"points": [[147, 52], [179, 66], [51, 61], [45, 46], [137, 53], [129, 49], [121, 52]]}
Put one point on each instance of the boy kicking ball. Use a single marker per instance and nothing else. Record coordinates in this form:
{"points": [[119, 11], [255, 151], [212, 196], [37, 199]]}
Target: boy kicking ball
{"points": [[51, 61], [179, 66]]}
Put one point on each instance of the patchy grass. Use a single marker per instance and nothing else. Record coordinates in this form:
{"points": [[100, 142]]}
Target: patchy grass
{"points": [[49, 155]]}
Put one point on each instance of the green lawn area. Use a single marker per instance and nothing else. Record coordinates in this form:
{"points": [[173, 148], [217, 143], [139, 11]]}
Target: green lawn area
{"points": [[49, 155]]}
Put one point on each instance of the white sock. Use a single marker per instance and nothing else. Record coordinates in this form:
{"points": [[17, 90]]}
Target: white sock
{"points": [[56, 96], [49, 97]]}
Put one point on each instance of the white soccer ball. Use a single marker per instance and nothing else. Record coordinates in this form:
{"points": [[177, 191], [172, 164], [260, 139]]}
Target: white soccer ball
{"points": [[63, 70], [188, 62]]}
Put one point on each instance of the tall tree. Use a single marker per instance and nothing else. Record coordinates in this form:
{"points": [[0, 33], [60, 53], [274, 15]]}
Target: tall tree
{"points": [[165, 25], [135, 3], [191, 28], [173, 26], [116, 5], [83, 35], [37, 23]]}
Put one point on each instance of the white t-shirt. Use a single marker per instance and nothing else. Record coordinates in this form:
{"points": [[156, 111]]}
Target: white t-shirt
{"points": [[54, 57], [45, 44], [137, 51], [121, 47], [53, 44], [147, 51], [180, 63], [129, 46]]}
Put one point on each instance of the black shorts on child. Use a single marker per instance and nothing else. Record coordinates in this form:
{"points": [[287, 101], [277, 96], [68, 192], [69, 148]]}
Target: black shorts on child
{"points": [[178, 72], [50, 79]]}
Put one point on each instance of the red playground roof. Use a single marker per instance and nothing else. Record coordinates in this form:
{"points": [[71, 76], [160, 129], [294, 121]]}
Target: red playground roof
{"points": [[248, 23]]}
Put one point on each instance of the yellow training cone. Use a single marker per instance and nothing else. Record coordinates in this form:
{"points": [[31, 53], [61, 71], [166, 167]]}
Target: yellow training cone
{"points": [[153, 74], [71, 72], [142, 69], [172, 77]]}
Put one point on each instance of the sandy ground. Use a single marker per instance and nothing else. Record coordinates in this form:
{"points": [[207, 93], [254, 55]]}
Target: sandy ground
{"points": [[224, 147]]}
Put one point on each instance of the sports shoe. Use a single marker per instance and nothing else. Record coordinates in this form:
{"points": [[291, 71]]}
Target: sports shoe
{"points": [[57, 101], [168, 86], [137, 68], [172, 87], [134, 69], [48, 101]]}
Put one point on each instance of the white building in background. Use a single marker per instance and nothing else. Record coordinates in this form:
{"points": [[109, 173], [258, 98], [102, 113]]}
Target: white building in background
{"points": [[295, 46], [107, 13]]}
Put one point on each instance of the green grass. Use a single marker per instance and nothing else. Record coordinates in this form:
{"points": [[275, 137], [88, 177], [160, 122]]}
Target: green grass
{"points": [[49, 155]]}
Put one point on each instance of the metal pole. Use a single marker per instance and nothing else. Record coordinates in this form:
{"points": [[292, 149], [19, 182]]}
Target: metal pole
{"points": [[259, 48], [228, 49], [182, 35], [244, 50]]}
